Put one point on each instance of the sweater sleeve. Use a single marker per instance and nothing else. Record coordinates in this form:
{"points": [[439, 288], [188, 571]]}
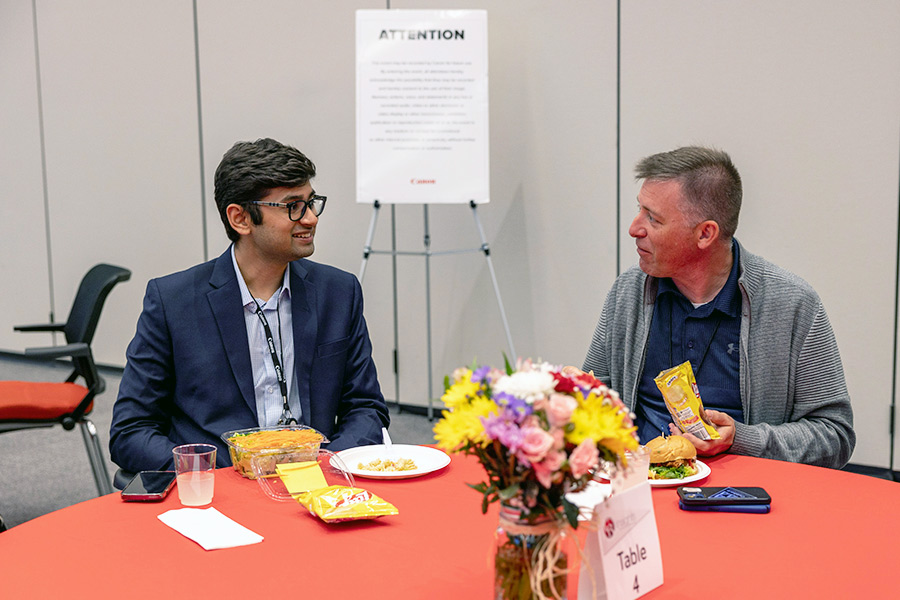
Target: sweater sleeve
{"points": [[816, 424], [597, 358]]}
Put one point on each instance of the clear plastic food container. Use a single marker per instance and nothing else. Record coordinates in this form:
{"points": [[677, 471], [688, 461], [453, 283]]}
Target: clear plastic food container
{"points": [[332, 467], [293, 443]]}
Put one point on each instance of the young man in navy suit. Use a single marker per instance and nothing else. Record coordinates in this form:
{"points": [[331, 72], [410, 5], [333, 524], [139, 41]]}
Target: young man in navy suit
{"points": [[259, 336]]}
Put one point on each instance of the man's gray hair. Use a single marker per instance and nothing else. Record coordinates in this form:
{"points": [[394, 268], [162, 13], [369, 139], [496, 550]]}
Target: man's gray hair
{"points": [[709, 180]]}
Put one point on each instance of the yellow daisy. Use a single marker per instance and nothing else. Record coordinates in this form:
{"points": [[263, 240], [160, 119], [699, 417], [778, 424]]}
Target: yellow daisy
{"points": [[601, 421], [462, 426]]}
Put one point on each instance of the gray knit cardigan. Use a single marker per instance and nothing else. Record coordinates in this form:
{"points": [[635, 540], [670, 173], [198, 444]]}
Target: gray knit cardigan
{"points": [[795, 400]]}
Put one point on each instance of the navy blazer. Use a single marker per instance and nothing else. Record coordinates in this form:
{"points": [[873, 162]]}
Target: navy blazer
{"points": [[188, 377]]}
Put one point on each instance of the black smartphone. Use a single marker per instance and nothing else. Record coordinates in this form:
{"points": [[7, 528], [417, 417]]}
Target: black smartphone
{"points": [[722, 496], [744, 508], [149, 486]]}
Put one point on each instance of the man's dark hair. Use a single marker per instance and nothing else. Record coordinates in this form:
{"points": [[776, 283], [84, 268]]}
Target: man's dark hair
{"points": [[250, 169], [709, 180]]}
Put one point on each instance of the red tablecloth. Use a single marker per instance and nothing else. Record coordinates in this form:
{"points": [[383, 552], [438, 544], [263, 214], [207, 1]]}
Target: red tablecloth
{"points": [[830, 534]]}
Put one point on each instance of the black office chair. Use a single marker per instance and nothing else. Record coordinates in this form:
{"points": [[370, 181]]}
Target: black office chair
{"points": [[122, 478], [28, 405]]}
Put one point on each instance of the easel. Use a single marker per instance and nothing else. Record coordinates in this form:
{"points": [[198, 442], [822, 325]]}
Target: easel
{"points": [[427, 253]]}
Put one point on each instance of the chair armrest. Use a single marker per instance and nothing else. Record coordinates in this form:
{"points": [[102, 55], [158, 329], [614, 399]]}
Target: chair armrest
{"points": [[121, 479], [41, 327], [76, 349]]}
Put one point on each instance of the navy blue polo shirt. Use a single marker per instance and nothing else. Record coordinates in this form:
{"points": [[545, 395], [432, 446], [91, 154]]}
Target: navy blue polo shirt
{"points": [[709, 336]]}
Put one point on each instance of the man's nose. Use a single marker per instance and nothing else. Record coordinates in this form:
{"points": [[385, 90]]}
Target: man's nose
{"points": [[637, 228], [309, 218]]}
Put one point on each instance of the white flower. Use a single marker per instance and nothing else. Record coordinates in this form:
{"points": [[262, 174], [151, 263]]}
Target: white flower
{"points": [[526, 385]]}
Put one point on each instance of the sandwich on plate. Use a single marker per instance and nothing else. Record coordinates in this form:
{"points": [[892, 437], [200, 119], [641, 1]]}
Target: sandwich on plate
{"points": [[672, 457]]}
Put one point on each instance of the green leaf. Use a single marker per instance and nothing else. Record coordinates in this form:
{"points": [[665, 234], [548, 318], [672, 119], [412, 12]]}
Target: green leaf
{"points": [[509, 492], [509, 367], [571, 513], [479, 487], [670, 472], [446, 382]]}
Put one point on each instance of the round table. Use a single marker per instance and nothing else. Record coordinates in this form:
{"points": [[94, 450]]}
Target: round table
{"points": [[830, 534]]}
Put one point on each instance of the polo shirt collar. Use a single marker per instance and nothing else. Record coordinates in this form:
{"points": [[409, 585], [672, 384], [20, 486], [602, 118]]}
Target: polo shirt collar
{"points": [[727, 301]]}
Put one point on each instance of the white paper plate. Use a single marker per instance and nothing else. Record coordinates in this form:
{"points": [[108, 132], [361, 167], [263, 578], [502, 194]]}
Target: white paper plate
{"points": [[702, 472], [427, 460]]}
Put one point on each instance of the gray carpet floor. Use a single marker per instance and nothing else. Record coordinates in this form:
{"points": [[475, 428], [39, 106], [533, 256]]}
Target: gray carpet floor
{"points": [[42, 470]]}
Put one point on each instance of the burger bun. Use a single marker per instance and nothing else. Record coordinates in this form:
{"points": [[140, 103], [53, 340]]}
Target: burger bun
{"points": [[670, 449]]}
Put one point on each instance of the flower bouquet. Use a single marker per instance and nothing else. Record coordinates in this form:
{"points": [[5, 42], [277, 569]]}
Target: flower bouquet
{"points": [[540, 433]]}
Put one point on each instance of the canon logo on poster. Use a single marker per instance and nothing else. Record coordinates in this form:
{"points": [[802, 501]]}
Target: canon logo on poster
{"points": [[415, 181]]}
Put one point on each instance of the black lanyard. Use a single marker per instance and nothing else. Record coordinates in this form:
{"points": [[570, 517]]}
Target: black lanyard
{"points": [[708, 343], [286, 417]]}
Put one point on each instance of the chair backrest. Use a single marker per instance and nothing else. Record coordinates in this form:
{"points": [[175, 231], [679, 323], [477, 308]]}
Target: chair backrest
{"points": [[92, 292]]}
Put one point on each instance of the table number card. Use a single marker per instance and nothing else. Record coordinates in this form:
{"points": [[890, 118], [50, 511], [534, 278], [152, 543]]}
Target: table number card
{"points": [[623, 555]]}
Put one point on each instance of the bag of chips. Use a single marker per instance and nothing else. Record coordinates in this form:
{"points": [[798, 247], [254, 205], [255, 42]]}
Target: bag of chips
{"points": [[337, 503], [682, 397]]}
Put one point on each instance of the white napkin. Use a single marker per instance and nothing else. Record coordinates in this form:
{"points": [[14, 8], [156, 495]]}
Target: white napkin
{"points": [[209, 528]]}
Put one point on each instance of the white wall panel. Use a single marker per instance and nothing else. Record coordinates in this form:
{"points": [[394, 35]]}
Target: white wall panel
{"points": [[805, 97], [122, 158], [23, 251], [285, 70]]}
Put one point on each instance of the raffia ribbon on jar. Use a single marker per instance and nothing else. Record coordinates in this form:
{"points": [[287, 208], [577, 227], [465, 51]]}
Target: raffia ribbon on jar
{"points": [[547, 553]]}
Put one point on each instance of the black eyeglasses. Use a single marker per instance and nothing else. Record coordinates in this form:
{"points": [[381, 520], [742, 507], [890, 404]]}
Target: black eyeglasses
{"points": [[315, 203]]}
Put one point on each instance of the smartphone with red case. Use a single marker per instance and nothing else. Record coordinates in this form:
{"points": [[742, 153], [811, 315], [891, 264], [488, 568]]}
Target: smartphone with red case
{"points": [[149, 486]]}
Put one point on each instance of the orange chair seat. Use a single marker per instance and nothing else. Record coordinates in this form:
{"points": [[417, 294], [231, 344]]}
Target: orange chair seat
{"points": [[29, 401]]}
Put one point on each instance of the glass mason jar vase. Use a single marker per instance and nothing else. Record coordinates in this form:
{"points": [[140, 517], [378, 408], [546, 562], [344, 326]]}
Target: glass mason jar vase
{"points": [[530, 559]]}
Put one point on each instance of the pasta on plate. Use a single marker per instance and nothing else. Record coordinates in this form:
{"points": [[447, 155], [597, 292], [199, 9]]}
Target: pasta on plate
{"points": [[400, 464]]}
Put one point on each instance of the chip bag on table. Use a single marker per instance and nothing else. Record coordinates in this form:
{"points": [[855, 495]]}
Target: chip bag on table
{"points": [[682, 398], [337, 503]]}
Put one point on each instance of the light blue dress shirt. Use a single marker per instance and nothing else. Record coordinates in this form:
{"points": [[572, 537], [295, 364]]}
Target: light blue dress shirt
{"points": [[277, 310]]}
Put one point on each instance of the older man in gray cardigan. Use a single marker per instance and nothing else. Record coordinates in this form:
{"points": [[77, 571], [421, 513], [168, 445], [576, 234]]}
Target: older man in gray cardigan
{"points": [[757, 336]]}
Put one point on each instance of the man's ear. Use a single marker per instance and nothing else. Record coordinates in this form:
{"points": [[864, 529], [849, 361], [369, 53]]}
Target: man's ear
{"points": [[707, 234], [238, 218]]}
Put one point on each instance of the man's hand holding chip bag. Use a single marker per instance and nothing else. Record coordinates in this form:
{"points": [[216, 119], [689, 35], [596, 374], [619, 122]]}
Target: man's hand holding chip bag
{"points": [[710, 431], [724, 425]]}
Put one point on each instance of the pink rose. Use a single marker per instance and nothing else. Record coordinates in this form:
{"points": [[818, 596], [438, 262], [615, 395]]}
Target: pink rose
{"points": [[547, 468], [535, 444], [584, 458], [560, 409], [559, 437]]}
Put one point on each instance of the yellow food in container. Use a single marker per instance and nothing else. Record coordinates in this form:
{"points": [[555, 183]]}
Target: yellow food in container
{"points": [[285, 443]]}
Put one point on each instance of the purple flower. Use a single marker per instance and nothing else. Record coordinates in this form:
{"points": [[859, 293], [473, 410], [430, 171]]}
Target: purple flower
{"points": [[516, 406], [480, 373], [504, 429]]}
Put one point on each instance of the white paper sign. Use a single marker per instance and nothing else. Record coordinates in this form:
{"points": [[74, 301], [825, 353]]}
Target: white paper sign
{"points": [[623, 553], [422, 106]]}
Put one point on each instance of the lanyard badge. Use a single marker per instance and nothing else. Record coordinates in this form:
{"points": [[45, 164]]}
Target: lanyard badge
{"points": [[286, 417]]}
